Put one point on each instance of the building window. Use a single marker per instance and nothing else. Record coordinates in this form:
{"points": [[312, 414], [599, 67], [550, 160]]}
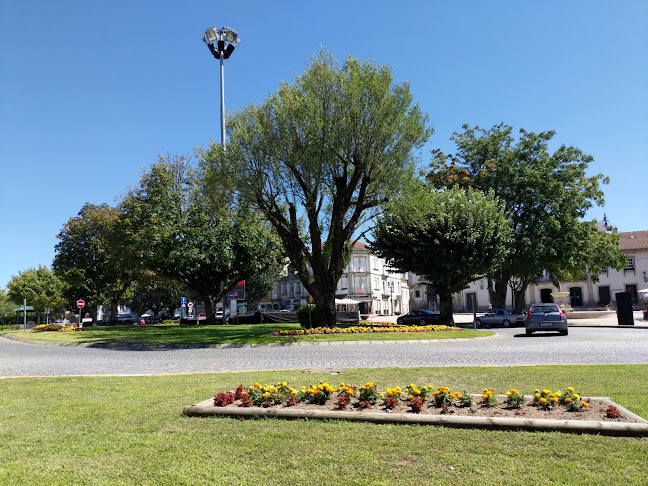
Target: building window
{"points": [[631, 263], [417, 294], [375, 263], [360, 264], [361, 285], [376, 284], [343, 282]]}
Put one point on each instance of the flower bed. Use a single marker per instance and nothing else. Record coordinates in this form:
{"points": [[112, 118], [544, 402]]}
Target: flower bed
{"points": [[56, 327], [426, 404], [362, 329]]}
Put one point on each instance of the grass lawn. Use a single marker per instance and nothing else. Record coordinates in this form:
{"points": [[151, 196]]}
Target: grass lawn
{"points": [[130, 430], [240, 333]]}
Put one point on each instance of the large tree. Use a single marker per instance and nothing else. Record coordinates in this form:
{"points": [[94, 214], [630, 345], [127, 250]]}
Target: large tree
{"points": [[158, 293], [7, 308], [319, 157], [449, 237], [96, 257], [545, 193], [39, 286], [206, 239]]}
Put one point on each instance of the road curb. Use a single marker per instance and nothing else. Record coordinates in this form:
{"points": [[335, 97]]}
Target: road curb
{"points": [[168, 347]]}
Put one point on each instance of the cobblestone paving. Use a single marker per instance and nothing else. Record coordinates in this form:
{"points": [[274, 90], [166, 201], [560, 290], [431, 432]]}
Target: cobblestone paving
{"points": [[508, 348]]}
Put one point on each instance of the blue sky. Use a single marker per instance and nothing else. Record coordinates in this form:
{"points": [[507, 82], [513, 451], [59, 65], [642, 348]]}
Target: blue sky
{"points": [[92, 90]]}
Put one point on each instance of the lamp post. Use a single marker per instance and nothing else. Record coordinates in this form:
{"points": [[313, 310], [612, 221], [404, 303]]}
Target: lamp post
{"points": [[391, 292], [221, 43]]}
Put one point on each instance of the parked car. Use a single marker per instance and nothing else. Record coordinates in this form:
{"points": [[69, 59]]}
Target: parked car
{"points": [[545, 317], [128, 319], [500, 317], [420, 317]]}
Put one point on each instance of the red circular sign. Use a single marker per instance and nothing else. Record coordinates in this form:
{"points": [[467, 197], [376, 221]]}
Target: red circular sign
{"points": [[80, 304]]}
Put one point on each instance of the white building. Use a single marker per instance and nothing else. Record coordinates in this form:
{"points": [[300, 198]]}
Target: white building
{"points": [[583, 293], [369, 280]]}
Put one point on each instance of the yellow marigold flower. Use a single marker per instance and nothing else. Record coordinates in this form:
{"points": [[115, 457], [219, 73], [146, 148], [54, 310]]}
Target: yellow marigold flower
{"points": [[412, 385], [513, 390], [459, 395], [554, 399], [584, 404], [507, 393], [558, 394], [342, 384], [257, 385], [568, 400], [398, 389], [537, 395], [303, 387], [484, 396], [381, 395], [570, 389], [283, 383], [264, 395], [430, 387], [543, 400], [411, 397], [417, 391], [546, 392], [576, 396]]}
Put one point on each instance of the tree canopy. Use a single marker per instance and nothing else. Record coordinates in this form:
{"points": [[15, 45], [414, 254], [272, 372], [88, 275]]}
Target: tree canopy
{"points": [[96, 257], [450, 237], [319, 157], [546, 195], [39, 286], [208, 242]]}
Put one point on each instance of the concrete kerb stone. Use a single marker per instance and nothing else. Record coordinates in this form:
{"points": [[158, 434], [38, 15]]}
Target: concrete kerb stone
{"points": [[206, 408], [158, 347]]}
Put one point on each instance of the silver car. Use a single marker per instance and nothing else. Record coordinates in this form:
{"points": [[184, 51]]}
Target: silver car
{"points": [[545, 317]]}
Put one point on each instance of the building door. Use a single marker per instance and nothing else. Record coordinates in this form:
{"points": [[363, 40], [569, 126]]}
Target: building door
{"points": [[545, 296], [604, 295], [471, 301], [576, 296], [632, 290]]}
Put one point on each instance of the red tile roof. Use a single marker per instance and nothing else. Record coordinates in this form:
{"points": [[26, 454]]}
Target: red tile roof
{"points": [[634, 240], [360, 245]]}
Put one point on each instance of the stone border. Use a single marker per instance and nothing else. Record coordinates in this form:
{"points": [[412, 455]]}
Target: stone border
{"points": [[206, 408], [162, 347]]}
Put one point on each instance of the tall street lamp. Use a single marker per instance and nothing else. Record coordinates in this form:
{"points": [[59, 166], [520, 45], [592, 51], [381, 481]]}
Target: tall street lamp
{"points": [[390, 284], [221, 43]]}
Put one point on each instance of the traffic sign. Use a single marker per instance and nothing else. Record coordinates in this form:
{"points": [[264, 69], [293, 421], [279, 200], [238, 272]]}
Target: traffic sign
{"points": [[183, 300], [80, 304], [190, 305]]}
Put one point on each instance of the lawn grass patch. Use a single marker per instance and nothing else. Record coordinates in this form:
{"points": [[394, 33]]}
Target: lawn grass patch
{"points": [[234, 334], [130, 430]]}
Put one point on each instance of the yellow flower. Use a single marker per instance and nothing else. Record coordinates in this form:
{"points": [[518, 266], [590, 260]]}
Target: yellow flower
{"points": [[507, 393], [543, 400], [484, 396], [576, 396], [264, 395], [554, 399], [568, 400], [537, 395], [558, 393], [513, 390], [584, 404], [570, 389], [283, 383]]}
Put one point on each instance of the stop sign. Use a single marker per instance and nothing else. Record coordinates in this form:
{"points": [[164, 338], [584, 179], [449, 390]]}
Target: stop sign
{"points": [[80, 304]]}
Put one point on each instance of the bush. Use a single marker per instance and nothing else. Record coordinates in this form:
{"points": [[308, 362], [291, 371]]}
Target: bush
{"points": [[302, 314]]}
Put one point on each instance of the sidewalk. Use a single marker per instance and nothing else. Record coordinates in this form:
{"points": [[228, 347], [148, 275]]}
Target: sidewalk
{"points": [[608, 319]]}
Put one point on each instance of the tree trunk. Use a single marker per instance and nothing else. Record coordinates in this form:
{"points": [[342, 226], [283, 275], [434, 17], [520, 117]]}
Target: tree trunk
{"points": [[519, 302], [497, 290], [114, 312], [210, 309], [324, 314], [445, 307]]}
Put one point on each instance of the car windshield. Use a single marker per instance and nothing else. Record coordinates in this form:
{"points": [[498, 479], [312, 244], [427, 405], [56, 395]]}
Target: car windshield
{"points": [[543, 309]]}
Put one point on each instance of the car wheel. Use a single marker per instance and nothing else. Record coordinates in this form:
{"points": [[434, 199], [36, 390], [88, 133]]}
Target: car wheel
{"points": [[565, 332], [529, 332], [478, 323], [506, 323]]}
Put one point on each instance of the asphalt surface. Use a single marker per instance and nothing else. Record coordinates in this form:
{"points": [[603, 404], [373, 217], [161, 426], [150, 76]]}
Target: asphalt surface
{"points": [[509, 347]]}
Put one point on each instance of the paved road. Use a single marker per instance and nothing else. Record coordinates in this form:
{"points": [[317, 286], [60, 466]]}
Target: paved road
{"points": [[584, 345]]}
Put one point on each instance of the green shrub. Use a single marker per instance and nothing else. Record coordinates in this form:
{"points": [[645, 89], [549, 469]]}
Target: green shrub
{"points": [[302, 314]]}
